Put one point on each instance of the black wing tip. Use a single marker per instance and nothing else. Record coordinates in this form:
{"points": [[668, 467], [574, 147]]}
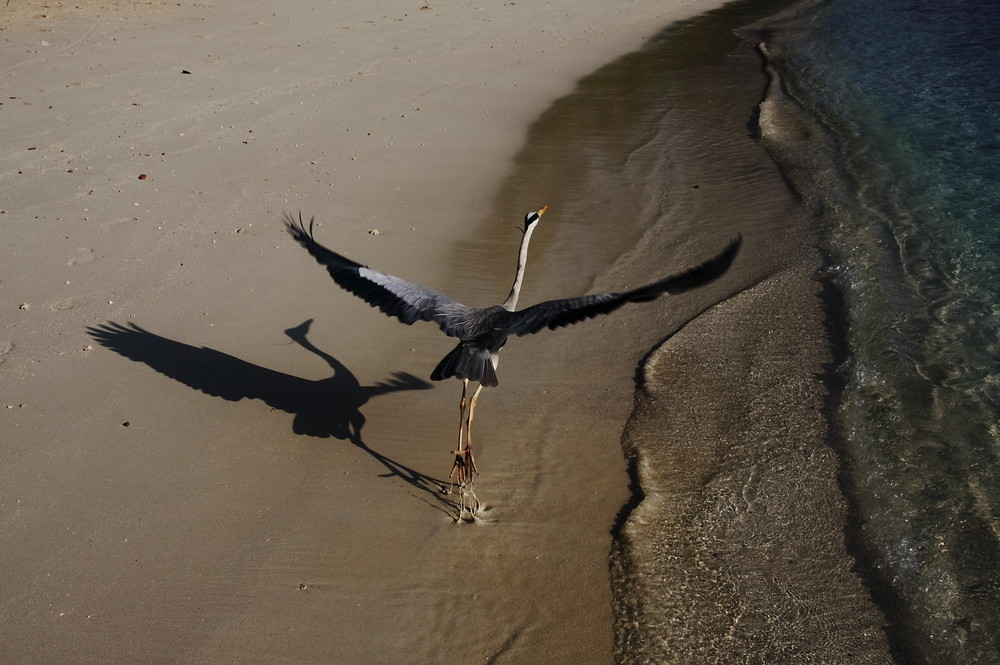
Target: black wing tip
{"points": [[727, 255], [709, 271], [296, 226], [723, 259], [734, 245]]}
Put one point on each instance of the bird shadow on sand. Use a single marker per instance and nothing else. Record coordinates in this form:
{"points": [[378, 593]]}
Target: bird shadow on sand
{"points": [[328, 407]]}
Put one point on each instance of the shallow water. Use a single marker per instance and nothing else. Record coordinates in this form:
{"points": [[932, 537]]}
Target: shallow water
{"points": [[905, 92]]}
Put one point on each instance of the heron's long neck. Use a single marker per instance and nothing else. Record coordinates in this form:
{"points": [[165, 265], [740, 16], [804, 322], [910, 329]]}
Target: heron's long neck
{"points": [[522, 260]]}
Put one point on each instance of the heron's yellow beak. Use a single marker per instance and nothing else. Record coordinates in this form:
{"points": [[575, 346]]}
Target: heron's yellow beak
{"points": [[542, 211]]}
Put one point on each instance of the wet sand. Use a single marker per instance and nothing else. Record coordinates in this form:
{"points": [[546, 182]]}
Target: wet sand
{"points": [[736, 549], [240, 462]]}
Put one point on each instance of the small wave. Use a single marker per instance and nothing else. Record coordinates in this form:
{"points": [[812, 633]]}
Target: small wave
{"points": [[907, 222]]}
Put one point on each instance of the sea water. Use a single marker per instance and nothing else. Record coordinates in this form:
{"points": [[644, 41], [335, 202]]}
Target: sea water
{"points": [[908, 96]]}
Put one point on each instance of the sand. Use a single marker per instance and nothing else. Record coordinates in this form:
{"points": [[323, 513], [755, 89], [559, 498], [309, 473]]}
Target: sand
{"points": [[738, 547], [242, 463]]}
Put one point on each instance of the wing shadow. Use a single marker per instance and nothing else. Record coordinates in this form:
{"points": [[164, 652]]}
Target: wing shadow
{"points": [[328, 407]]}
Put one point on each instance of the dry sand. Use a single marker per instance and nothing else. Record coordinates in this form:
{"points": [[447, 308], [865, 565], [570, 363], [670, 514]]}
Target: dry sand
{"points": [[256, 488]]}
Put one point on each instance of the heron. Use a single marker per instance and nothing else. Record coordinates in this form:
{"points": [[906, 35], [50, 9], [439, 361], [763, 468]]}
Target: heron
{"points": [[482, 332]]}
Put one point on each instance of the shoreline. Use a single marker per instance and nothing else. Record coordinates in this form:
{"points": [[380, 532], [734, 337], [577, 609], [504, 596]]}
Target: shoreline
{"points": [[885, 226], [741, 525]]}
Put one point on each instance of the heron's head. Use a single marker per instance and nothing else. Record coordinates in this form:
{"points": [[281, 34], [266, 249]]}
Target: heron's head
{"points": [[532, 217]]}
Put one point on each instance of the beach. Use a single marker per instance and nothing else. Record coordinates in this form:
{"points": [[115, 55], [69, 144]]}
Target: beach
{"points": [[210, 452]]}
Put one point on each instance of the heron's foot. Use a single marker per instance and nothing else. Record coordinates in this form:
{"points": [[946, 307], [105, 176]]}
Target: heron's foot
{"points": [[468, 502], [464, 471]]}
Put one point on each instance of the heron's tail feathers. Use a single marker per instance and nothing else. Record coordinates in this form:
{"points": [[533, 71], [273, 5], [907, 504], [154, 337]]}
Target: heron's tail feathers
{"points": [[489, 378], [467, 362]]}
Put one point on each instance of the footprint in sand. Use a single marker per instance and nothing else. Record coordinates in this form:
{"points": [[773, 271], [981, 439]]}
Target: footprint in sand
{"points": [[64, 304]]}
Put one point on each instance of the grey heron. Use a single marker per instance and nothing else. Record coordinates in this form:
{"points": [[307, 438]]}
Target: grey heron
{"points": [[483, 332]]}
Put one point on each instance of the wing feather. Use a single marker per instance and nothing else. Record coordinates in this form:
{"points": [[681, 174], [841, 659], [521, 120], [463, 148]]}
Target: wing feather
{"points": [[392, 295], [554, 314]]}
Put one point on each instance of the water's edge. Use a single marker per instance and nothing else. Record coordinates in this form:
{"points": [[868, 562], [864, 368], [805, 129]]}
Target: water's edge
{"points": [[881, 122], [796, 140], [738, 542]]}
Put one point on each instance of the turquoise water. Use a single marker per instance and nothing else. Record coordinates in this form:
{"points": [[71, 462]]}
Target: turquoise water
{"points": [[908, 93]]}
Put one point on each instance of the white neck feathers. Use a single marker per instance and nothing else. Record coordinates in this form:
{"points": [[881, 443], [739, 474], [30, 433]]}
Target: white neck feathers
{"points": [[522, 260]]}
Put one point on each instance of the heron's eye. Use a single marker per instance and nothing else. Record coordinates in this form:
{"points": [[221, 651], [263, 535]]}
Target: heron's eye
{"points": [[531, 218]]}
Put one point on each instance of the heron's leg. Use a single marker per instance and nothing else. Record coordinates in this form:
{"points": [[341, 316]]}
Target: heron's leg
{"points": [[459, 464], [473, 471], [465, 464], [461, 413]]}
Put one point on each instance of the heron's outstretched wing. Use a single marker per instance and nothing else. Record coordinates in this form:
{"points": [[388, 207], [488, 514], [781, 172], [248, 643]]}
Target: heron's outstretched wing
{"points": [[394, 296], [554, 314]]}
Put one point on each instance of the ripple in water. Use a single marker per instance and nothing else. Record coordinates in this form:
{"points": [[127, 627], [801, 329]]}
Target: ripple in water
{"points": [[907, 91]]}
